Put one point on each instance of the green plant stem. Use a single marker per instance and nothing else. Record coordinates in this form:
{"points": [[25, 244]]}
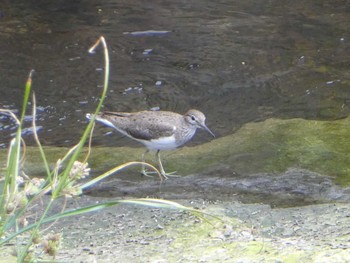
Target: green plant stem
{"points": [[63, 180], [116, 169], [42, 153], [36, 227], [10, 183], [150, 202]]}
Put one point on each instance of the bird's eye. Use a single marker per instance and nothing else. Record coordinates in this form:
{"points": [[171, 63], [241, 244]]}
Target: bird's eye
{"points": [[193, 118]]}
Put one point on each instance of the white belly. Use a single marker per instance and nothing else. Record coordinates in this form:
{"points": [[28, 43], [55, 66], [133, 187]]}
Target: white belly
{"points": [[166, 143]]}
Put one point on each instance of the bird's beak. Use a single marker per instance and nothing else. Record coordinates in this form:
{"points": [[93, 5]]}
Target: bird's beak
{"points": [[207, 129]]}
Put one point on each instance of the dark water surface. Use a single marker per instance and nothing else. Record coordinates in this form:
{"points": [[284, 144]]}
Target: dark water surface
{"points": [[237, 61]]}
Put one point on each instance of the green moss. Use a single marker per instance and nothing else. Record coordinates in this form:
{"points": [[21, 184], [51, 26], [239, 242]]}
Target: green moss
{"points": [[270, 146], [321, 69], [209, 244], [294, 257], [275, 145]]}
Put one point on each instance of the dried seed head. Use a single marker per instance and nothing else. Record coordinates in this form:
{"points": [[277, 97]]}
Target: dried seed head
{"points": [[51, 244], [79, 170]]}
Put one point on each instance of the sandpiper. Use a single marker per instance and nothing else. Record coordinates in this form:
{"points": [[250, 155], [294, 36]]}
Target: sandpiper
{"points": [[157, 130]]}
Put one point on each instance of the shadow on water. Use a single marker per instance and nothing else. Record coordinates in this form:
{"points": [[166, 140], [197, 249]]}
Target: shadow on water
{"points": [[237, 62]]}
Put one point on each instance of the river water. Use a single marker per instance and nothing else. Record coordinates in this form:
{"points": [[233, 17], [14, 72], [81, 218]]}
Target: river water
{"points": [[237, 61]]}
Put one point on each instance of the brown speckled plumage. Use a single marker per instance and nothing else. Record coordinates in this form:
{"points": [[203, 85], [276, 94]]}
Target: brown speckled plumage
{"points": [[157, 130]]}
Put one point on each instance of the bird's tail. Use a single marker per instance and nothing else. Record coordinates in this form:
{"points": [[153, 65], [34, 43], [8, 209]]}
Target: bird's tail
{"points": [[99, 118]]}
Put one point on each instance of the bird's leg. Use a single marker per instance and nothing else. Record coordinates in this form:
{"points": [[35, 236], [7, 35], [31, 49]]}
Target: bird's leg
{"points": [[161, 169], [143, 169]]}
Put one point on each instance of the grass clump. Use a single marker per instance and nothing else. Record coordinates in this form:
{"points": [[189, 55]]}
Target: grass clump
{"points": [[20, 193]]}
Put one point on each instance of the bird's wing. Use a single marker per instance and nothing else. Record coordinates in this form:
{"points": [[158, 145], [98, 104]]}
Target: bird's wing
{"points": [[151, 131], [117, 114], [139, 126]]}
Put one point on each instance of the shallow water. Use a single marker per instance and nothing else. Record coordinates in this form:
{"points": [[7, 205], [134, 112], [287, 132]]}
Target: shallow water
{"points": [[237, 61]]}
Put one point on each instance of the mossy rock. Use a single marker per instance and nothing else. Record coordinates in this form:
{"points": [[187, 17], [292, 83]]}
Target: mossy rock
{"points": [[272, 146]]}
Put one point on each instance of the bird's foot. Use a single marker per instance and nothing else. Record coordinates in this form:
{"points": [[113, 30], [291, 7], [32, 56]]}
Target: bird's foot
{"points": [[167, 175], [163, 174], [147, 173]]}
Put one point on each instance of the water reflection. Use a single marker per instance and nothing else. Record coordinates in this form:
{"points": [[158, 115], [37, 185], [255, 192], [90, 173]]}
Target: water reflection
{"points": [[237, 61]]}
